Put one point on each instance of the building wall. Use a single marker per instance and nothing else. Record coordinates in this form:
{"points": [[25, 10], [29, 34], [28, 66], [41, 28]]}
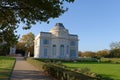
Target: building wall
{"points": [[12, 50], [57, 43]]}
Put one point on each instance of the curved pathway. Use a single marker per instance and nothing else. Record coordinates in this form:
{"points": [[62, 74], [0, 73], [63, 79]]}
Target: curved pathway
{"points": [[25, 71]]}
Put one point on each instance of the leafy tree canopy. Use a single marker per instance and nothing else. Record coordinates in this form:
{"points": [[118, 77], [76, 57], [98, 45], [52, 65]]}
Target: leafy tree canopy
{"points": [[26, 43], [28, 39], [115, 45], [13, 12]]}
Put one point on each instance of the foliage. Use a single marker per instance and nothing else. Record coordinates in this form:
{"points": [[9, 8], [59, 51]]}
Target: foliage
{"points": [[111, 60], [115, 45], [115, 50], [87, 60], [6, 67], [26, 43], [7, 39], [20, 45], [59, 72], [114, 53], [4, 50], [102, 69], [28, 39], [98, 54], [102, 53], [36, 63], [88, 54], [28, 12]]}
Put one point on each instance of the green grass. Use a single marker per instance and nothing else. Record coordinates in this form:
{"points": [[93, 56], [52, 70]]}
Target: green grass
{"points": [[6, 65], [112, 60], [104, 69]]}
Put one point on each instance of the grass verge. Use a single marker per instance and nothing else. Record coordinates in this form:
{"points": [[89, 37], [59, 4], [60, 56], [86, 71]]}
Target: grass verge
{"points": [[6, 67], [104, 69]]}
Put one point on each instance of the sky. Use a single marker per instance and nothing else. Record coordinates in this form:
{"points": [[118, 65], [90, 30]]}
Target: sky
{"points": [[96, 22]]}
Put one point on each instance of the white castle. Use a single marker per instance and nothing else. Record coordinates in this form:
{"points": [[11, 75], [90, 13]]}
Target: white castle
{"points": [[57, 43]]}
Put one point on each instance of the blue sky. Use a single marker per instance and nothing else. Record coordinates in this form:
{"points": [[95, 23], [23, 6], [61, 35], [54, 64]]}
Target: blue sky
{"points": [[97, 23]]}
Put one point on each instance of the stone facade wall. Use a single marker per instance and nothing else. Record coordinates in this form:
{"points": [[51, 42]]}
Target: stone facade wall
{"points": [[57, 43]]}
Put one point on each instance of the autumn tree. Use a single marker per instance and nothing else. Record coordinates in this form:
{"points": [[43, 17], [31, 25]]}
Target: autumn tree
{"points": [[26, 43], [28, 12], [102, 53], [88, 54], [79, 53]]}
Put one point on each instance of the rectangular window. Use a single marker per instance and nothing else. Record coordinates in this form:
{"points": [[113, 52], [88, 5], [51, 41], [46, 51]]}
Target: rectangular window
{"points": [[72, 53], [62, 51], [45, 52], [45, 41]]}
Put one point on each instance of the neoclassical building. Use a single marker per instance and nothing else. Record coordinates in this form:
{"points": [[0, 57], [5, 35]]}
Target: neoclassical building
{"points": [[57, 43]]}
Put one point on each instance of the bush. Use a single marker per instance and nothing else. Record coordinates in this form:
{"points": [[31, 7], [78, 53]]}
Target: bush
{"points": [[36, 63], [87, 60], [60, 72]]}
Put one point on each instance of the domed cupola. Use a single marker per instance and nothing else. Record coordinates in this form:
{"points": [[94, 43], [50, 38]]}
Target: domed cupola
{"points": [[58, 26], [59, 30]]}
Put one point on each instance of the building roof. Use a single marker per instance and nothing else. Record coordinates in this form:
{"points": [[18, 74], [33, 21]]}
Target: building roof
{"points": [[60, 25]]}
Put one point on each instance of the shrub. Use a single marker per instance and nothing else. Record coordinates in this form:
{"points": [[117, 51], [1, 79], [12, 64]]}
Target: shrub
{"points": [[87, 60], [36, 63], [84, 70], [61, 73]]}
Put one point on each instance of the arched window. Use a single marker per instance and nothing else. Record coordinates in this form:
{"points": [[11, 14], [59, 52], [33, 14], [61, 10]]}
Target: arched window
{"points": [[62, 51]]}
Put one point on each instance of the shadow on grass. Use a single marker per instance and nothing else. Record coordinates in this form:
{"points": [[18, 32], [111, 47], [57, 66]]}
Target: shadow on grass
{"points": [[29, 75], [109, 76], [4, 73]]}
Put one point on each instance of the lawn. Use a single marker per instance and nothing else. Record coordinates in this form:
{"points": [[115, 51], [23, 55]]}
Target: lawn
{"points": [[113, 60], [104, 69], [6, 65]]}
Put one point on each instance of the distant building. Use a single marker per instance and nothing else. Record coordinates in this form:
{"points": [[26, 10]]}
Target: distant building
{"points": [[57, 43], [12, 50]]}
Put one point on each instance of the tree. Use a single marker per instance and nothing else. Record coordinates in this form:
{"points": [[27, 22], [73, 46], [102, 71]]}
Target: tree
{"points": [[115, 45], [27, 43], [13, 12], [88, 54], [102, 53], [79, 53], [7, 39], [115, 49], [114, 53]]}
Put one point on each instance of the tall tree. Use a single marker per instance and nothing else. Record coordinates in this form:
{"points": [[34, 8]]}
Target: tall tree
{"points": [[115, 49], [27, 43], [114, 53], [13, 12], [115, 45]]}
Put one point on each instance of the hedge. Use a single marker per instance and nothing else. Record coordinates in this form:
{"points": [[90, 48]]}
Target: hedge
{"points": [[60, 72], [36, 63]]}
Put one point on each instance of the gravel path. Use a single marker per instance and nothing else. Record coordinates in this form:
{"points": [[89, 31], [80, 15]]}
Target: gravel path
{"points": [[25, 71]]}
